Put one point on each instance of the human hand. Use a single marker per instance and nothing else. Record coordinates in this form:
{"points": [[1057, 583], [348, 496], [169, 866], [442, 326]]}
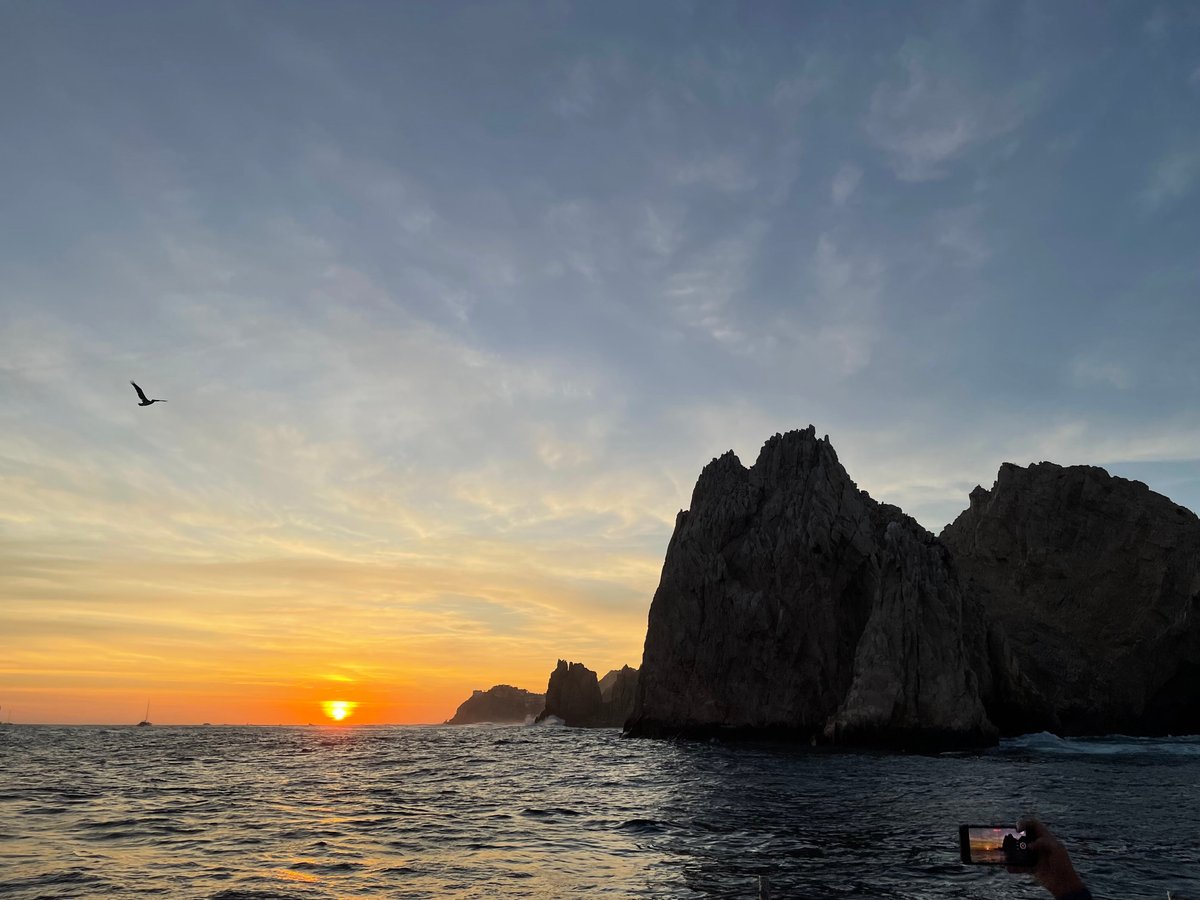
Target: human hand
{"points": [[1053, 868]]}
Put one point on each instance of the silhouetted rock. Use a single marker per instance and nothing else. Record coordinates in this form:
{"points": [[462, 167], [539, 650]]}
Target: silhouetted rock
{"points": [[1095, 580], [606, 683], [619, 691], [502, 703], [793, 604], [573, 695]]}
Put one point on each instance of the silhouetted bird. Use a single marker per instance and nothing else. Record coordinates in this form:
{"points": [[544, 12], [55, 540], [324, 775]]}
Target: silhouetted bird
{"points": [[142, 395]]}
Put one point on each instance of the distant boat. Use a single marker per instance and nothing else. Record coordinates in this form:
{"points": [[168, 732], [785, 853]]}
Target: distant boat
{"points": [[145, 721]]}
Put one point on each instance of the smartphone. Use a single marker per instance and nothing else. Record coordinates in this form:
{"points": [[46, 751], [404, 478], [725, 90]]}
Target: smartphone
{"points": [[995, 845]]}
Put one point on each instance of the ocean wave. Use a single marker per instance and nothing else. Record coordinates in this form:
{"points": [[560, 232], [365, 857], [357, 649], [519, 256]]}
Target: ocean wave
{"points": [[1105, 745]]}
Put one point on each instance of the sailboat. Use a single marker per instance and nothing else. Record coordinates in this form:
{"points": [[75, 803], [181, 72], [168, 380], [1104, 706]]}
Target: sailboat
{"points": [[146, 720]]}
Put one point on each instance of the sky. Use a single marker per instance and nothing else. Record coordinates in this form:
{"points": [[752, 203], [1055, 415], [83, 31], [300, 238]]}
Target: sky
{"points": [[451, 303]]}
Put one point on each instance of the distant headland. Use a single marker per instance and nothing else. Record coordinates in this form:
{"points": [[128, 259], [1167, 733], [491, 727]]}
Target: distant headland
{"points": [[573, 696], [500, 704]]}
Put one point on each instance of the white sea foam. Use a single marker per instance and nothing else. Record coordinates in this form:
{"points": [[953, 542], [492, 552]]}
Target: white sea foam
{"points": [[1105, 745]]}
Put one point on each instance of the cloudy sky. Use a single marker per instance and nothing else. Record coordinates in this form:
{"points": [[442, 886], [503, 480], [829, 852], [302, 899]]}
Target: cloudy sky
{"points": [[451, 303]]}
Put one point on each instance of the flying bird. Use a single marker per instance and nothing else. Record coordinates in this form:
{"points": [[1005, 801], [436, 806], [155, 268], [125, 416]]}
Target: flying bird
{"points": [[142, 396]]}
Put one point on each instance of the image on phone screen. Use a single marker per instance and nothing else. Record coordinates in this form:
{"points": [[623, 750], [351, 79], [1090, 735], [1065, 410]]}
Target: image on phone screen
{"points": [[993, 845]]}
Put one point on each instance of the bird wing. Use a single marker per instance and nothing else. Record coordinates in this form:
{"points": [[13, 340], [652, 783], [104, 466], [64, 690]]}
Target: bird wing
{"points": [[139, 390]]}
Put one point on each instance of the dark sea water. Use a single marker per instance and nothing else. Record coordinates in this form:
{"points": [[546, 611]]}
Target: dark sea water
{"points": [[512, 811]]}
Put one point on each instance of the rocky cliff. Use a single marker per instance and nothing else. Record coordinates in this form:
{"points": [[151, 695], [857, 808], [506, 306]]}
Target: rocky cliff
{"points": [[1095, 580], [502, 703], [791, 603], [574, 695]]}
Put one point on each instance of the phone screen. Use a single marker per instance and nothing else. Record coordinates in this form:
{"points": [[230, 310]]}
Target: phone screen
{"points": [[995, 845]]}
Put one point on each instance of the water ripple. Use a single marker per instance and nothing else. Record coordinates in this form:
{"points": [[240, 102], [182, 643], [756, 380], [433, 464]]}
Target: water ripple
{"points": [[546, 812]]}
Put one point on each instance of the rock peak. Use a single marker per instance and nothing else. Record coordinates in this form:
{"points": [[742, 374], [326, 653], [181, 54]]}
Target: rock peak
{"points": [[575, 695], [791, 602]]}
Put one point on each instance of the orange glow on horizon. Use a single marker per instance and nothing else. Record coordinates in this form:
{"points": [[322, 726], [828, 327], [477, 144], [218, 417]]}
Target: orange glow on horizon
{"points": [[338, 709], [206, 649]]}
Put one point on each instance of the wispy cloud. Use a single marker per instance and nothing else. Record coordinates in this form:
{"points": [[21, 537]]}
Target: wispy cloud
{"points": [[1171, 178], [791, 94], [1086, 371], [661, 229], [845, 182], [959, 233], [1159, 23], [577, 95], [928, 116], [846, 303], [704, 295], [722, 172]]}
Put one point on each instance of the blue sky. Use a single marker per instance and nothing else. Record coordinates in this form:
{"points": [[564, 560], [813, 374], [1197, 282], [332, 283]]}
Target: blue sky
{"points": [[452, 302]]}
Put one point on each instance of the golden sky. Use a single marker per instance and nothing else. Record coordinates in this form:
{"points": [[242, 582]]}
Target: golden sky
{"points": [[266, 639]]}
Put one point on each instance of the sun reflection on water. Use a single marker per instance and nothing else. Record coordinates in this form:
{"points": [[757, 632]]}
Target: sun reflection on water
{"points": [[292, 875]]}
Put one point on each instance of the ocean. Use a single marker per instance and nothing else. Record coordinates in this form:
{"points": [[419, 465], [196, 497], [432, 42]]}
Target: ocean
{"points": [[545, 811]]}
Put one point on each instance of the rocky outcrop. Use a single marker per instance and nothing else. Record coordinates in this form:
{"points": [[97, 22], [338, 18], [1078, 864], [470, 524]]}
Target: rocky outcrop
{"points": [[574, 695], [618, 689], [1095, 581], [793, 604], [502, 703], [606, 683]]}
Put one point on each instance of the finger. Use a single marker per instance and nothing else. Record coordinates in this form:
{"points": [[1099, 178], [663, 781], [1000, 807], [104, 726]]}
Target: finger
{"points": [[1030, 823]]}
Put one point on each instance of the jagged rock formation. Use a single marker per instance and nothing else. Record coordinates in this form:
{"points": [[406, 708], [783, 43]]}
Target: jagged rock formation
{"points": [[791, 603], [502, 703], [1095, 580], [618, 689], [606, 683], [573, 695]]}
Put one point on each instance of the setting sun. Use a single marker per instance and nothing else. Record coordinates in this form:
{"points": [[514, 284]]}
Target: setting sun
{"points": [[338, 709]]}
